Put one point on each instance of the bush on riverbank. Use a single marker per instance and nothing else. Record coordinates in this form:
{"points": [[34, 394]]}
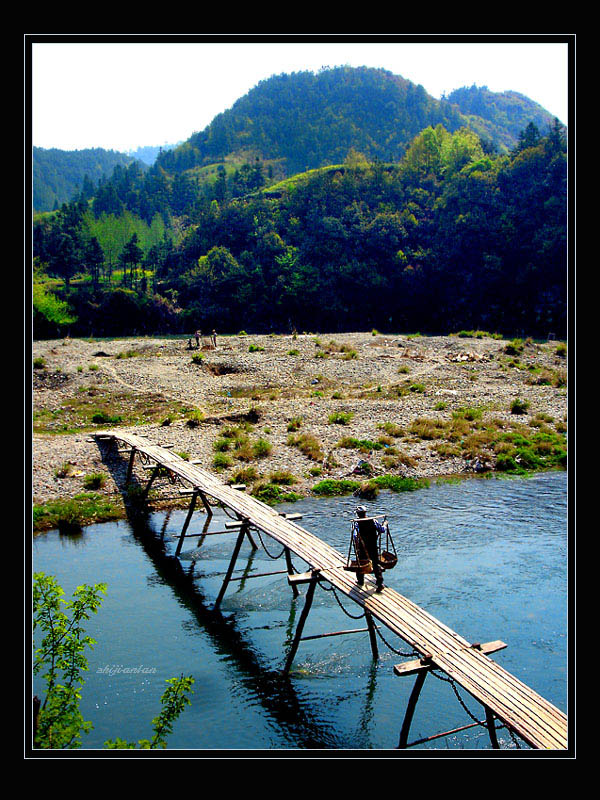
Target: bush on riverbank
{"points": [[74, 512]]}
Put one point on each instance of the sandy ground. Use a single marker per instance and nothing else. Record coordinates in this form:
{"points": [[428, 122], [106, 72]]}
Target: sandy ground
{"points": [[308, 377]]}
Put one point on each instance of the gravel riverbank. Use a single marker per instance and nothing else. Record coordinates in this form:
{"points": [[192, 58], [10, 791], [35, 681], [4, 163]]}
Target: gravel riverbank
{"points": [[379, 384]]}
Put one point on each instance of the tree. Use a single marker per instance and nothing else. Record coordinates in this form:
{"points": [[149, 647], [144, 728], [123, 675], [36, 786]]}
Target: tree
{"points": [[60, 659], [530, 137], [94, 259], [57, 720], [65, 259], [49, 313], [131, 256], [173, 701]]}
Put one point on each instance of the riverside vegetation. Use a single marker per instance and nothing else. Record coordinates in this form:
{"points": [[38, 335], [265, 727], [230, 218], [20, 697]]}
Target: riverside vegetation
{"points": [[403, 411], [279, 216]]}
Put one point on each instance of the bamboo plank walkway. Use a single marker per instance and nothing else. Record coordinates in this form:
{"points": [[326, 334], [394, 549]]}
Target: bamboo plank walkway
{"points": [[537, 721]]}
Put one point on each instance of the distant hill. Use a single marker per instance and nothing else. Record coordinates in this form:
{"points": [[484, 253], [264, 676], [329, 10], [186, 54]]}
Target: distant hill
{"points": [[59, 174], [149, 154], [499, 117], [305, 120]]}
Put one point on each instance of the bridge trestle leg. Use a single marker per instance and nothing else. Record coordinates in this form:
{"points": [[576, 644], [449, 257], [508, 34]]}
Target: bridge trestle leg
{"points": [[186, 523], [242, 534], [307, 604], [206, 504], [489, 721], [130, 466], [410, 708], [372, 635], [290, 569]]}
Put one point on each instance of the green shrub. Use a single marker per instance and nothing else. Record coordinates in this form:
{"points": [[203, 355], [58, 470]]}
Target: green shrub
{"points": [[283, 477], [102, 418], [519, 406], [308, 445], [271, 494], [83, 509], [505, 462], [245, 475], [392, 429], [197, 358], [221, 461], [194, 419], [363, 445], [294, 424], [39, 363], [340, 417], [261, 448], [396, 483], [470, 414], [94, 481], [514, 348], [331, 488], [255, 348]]}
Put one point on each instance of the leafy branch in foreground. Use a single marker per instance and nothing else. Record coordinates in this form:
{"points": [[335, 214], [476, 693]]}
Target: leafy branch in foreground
{"points": [[174, 699], [58, 722], [60, 659]]}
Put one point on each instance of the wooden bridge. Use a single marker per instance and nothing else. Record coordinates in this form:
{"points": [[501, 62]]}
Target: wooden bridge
{"points": [[521, 710]]}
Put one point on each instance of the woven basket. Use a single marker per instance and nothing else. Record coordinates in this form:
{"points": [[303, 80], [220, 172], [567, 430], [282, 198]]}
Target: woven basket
{"points": [[388, 560], [363, 566]]}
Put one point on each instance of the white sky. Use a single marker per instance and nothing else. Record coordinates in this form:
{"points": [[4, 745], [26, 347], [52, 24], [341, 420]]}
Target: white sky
{"points": [[124, 95]]}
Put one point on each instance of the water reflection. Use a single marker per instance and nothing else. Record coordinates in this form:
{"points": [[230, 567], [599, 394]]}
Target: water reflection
{"points": [[487, 558]]}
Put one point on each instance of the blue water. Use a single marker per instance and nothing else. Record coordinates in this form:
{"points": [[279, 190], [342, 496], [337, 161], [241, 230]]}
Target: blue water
{"points": [[486, 557]]}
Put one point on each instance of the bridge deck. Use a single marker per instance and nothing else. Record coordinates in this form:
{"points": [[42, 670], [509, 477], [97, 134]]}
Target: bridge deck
{"points": [[537, 721]]}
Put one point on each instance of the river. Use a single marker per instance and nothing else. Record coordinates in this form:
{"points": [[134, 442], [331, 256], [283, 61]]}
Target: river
{"points": [[489, 558]]}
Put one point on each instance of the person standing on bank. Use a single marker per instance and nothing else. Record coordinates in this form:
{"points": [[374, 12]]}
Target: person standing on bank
{"points": [[367, 545]]}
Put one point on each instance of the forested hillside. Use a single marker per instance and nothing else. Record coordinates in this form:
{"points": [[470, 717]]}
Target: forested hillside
{"points": [[449, 237], [307, 120], [499, 117], [58, 175]]}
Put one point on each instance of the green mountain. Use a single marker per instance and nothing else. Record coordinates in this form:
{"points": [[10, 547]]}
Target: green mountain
{"points": [[60, 174], [499, 117], [345, 200], [305, 120]]}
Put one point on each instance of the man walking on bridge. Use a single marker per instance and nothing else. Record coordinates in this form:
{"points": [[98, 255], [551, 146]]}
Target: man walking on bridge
{"points": [[367, 545]]}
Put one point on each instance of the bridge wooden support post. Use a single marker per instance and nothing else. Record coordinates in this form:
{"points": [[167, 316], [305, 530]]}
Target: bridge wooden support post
{"points": [[130, 466], [372, 635], [188, 519], [314, 579], [420, 667], [489, 721], [253, 544], [290, 569], [410, 708], [205, 503], [148, 486], [242, 534]]}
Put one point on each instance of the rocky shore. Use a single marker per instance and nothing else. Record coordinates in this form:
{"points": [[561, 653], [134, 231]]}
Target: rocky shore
{"points": [[342, 390]]}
